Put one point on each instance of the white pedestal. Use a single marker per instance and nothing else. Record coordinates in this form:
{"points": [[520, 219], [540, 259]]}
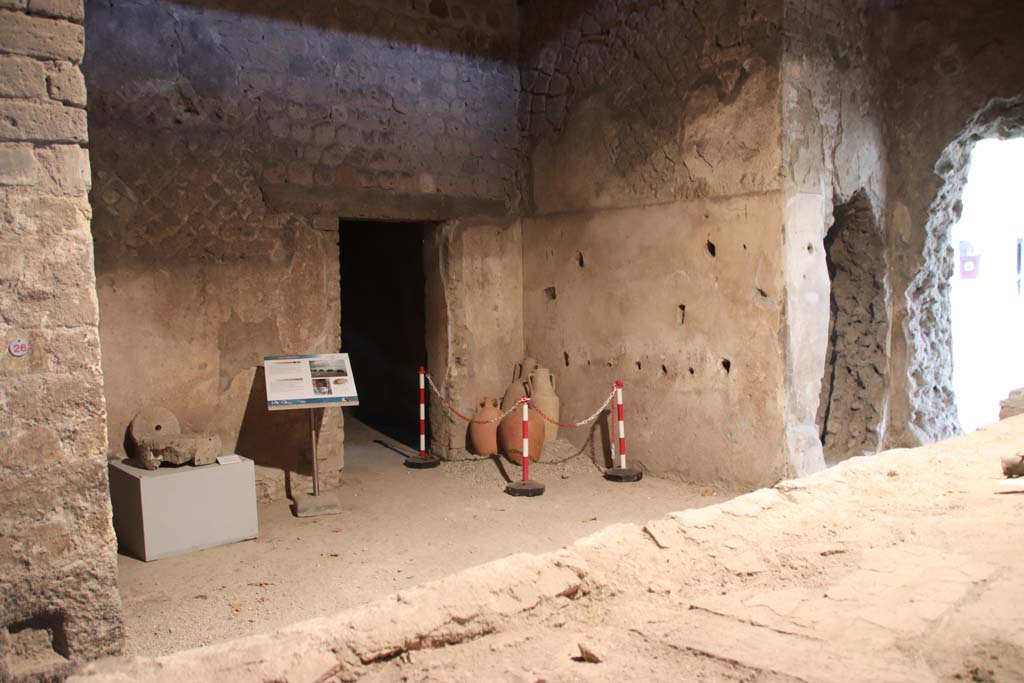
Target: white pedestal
{"points": [[175, 510]]}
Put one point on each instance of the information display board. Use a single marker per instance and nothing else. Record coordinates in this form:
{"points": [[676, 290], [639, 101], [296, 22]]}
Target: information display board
{"points": [[310, 381]]}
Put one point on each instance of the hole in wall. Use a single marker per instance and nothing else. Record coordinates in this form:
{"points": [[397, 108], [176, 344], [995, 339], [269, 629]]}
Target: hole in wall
{"points": [[664, 371], [565, 358], [35, 645], [763, 294], [928, 330], [711, 248], [579, 259], [682, 314], [850, 406], [987, 284], [692, 371], [639, 366], [727, 365], [810, 248], [550, 293]]}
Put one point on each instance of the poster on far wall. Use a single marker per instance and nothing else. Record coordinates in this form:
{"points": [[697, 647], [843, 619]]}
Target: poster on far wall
{"points": [[310, 381]]}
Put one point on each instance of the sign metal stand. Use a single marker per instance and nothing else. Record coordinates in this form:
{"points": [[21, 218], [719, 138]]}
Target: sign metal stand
{"points": [[311, 382]]}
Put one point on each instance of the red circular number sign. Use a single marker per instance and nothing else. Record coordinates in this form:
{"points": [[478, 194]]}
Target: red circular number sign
{"points": [[18, 347]]}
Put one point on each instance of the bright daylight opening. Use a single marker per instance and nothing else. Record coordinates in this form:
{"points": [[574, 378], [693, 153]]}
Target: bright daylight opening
{"points": [[987, 299]]}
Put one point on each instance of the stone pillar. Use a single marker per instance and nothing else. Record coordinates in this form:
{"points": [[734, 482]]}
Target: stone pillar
{"points": [[474, 309], [58, 574]]}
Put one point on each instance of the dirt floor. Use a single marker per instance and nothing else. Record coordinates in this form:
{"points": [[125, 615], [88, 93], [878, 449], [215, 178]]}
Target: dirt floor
{"points": [[903, 566], [399, 527]]}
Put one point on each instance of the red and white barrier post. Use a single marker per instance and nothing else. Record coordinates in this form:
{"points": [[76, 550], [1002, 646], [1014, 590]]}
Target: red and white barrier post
{"points": [[526, 441], [424, 460], [622, 422], [526, 487], [622, 473]]}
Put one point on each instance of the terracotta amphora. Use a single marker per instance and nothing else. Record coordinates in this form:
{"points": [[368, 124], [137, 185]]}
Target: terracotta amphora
{"points": [[542, 393], [520, 374], [510, 436], [482, 439]]}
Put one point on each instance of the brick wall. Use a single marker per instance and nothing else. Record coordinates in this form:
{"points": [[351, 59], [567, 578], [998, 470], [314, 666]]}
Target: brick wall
{"points": [[58, 592]]}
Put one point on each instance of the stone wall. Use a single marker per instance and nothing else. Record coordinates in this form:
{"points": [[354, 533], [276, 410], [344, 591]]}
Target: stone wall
{"points": [[953, 74], [58, 575], [630, 103], [673, 107], [851, 410], [229, 137], [474, 293], [684, 307], [832, 150]]}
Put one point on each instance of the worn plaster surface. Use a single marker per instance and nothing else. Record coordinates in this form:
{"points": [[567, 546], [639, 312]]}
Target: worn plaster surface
{"points": [[871, 571], [474, 311], [686, 309]]}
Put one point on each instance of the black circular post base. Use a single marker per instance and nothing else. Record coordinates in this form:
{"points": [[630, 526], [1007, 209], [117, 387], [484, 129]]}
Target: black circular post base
{"points": [[624, 474], [528, 488], [419, 462]]}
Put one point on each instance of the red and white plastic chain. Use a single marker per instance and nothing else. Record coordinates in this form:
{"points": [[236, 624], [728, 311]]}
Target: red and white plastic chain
{"points": [[524, 399], [455, 411], [581, 422]]}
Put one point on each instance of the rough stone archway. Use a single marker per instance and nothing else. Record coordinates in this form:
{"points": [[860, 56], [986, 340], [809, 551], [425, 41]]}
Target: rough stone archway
{"points": [[929, 322], [851, 409]]}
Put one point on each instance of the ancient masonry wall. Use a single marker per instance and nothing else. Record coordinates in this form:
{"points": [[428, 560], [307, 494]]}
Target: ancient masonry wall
{"points": [[229, 141], [851, 408], [954, 74], [58, 574], [653, 246], [474, 305], [832, 150]]}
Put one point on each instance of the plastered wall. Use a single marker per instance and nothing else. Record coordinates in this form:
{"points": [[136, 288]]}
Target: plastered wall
{"points": [[695, 336], [58, 595], [832, 149], [228, 139], [474, 312], [656, 192]]}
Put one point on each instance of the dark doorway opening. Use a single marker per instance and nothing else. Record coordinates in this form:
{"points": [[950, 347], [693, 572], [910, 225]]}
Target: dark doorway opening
{"points": [[383, 322]]}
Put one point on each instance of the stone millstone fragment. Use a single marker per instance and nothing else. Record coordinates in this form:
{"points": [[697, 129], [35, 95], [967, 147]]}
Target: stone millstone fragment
{"points": [[177, 449], [156, 437], [1013, 404], [153, 421]]}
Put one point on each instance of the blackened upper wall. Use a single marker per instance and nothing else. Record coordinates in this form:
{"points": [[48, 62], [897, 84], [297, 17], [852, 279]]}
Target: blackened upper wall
{"points": [[632, 103], [346, 107]]}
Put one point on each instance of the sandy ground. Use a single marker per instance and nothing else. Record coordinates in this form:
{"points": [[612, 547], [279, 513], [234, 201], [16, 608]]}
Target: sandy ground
{"points": [[399, 527], [902, 567]]}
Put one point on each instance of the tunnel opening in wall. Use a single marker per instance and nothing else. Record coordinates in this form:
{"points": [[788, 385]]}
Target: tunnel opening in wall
{"points": [[851, 408], [929, 328], [987, 303], [383, 321]]}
